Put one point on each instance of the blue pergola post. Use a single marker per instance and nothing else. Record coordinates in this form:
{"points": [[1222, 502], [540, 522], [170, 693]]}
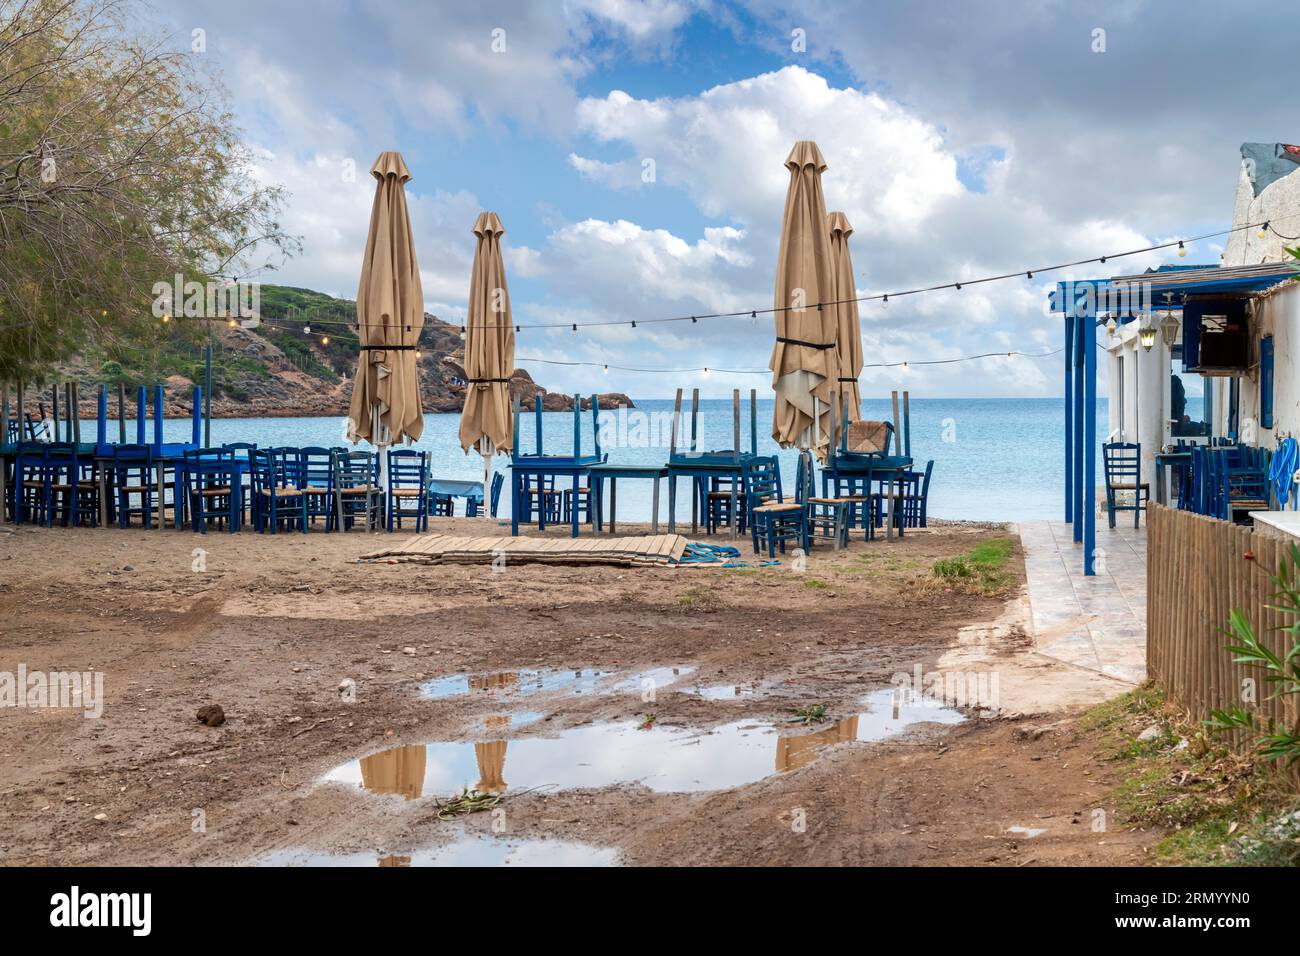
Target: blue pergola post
{"points": [[1090, 444], [1080, 360], [1069, 418]]}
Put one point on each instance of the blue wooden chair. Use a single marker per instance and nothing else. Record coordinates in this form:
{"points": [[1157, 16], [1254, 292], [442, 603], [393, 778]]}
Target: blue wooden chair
{"points": [[826, 516], [1242, 484], [545, 497], [717, 504], [211, 488], [356, 489], [133, 479], [408, 477], [494, 498], [441, 506], [582, 502], [277, 500], [772, 520], [1123, 466], [71, 491], [244, 461], [316, 482], [916, 492], [33, 478]]}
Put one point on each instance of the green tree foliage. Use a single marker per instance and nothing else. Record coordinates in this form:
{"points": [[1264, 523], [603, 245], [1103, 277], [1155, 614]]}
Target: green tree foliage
{"points": [[119, 167]]}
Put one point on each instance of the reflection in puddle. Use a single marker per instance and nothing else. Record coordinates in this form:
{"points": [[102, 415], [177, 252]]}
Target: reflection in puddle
{"points": [[722, 691], [513, 683], [508, 684], [654, 679], [665, 759], [467, 851]]}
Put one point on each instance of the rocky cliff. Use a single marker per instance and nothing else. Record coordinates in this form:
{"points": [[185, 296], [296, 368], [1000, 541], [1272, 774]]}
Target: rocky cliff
{"points": [[298, 362]]}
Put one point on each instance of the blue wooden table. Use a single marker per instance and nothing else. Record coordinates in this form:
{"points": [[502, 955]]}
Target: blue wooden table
{"points": [[1169, 459], [863, 469], [574, 467], [704, 469], [455, 488], [597, 475]]}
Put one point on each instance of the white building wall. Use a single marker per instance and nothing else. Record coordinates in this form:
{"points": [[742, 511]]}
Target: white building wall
{"points": [[1143, 415]]}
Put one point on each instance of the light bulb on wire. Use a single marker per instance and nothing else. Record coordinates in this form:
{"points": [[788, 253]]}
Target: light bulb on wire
{"points": [[1182, 250]]}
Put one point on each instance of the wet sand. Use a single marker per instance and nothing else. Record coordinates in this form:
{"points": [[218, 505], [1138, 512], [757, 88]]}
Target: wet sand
{"points": [[451, 676]]}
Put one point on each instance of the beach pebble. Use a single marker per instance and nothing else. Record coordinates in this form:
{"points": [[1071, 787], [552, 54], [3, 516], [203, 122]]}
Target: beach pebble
{"points": [[212, 715], [408, 651]]}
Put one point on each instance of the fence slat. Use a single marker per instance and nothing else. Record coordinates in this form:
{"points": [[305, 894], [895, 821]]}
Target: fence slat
{"points": [[1197, 574]]}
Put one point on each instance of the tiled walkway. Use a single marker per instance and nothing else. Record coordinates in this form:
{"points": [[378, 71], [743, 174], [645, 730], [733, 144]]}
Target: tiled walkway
{"points": [[1098, 622]]}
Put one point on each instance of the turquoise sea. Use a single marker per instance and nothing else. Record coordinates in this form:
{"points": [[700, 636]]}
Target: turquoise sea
{"points": [[994, 459]]}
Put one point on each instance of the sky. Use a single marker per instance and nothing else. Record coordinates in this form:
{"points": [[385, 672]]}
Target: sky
{"points": [[635, 153]]}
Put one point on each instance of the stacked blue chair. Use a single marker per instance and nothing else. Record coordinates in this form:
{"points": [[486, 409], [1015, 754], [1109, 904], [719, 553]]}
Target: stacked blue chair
{"points": [[356, 489], [316, 482], [277, 500], [133, 480], [211, 482]]}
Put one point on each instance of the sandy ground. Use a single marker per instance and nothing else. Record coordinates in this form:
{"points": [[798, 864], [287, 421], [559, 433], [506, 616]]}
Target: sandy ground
{"points": [[268, 627]]}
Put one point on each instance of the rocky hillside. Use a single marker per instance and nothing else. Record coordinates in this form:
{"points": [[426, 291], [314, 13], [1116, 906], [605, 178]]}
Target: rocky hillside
{"points": [[298, 362]]}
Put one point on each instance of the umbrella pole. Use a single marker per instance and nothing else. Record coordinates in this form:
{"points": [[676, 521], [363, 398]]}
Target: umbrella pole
{"points": [[486, 450]]}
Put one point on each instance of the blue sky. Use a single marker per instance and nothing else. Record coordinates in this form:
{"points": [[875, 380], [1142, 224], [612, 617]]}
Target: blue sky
{"points": [[961, 140]]}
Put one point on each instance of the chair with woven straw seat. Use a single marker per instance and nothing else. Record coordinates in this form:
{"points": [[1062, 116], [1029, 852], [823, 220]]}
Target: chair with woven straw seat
{"points": [[134, 482], [277, 499], [212, 489], [356, 489], [408, 479], [772, 520], [316, 482], [825, 516], [717, 504], [1123, 465]]}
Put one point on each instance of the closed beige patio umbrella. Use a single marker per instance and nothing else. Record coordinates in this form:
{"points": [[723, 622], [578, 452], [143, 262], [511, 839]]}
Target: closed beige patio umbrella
{"points": [[485, 420], [804, 363], [390, 315], [848, 324]]}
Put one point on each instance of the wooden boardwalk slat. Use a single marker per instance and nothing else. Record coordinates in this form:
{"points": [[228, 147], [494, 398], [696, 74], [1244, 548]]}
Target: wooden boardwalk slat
{"points": [[662, 549]]}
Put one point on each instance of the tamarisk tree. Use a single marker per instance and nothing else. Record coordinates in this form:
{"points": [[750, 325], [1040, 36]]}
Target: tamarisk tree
{"points": [[120, 166]]}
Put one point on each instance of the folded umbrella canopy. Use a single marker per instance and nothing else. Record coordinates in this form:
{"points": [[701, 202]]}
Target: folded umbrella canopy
{"points": [[848, 325], [804, 363], [390, 315], [485, 420]]}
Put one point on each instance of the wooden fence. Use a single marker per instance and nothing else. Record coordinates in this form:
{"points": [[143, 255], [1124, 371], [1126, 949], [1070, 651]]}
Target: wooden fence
{"points": [[1199, 569]]}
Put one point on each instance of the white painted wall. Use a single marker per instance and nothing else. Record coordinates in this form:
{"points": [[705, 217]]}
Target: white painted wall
{"points": [[1145, 406]]}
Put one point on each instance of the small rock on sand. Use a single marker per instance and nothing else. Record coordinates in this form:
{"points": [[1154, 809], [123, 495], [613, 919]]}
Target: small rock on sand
{"points": [[212, 715]]}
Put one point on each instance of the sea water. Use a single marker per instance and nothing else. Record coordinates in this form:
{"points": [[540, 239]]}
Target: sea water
{"points": [[995, 459]]}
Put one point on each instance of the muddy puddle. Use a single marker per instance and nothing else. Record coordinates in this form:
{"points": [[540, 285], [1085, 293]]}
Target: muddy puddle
{"points": [[466, 851], [508, 685], [665, 759]]}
